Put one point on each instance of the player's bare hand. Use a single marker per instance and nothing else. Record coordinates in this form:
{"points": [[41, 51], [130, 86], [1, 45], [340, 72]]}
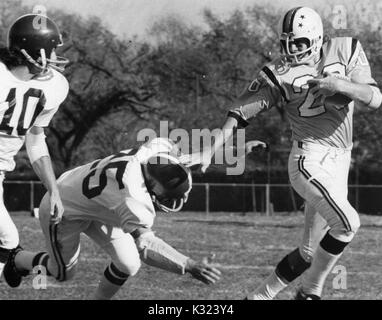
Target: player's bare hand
{"points": [[56, 208], [324, 86], [255, 145], [202, 158], [203, 271]]}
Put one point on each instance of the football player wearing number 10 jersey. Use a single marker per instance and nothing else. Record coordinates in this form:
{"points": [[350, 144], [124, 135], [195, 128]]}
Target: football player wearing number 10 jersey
{"points": [[31, 91], [112, 201], [318, 84]]}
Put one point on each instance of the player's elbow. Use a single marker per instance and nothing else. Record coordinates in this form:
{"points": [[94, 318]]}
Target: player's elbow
{"points": [[36, 146]]}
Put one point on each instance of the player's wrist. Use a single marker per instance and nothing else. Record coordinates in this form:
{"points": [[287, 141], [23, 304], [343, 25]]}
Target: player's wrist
{"points": [[189, 265]]}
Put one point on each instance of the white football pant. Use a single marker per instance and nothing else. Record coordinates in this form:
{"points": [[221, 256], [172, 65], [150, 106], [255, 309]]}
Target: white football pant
{"points": [[63, 243], [9, 236], [319, 174]]}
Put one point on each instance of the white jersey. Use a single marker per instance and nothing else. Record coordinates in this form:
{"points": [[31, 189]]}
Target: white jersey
{"points": [[112, 190], [24, 104], [315, 121]]}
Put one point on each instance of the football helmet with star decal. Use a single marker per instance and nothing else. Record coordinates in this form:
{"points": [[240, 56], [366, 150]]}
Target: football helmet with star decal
{"points": [[301, 24]]}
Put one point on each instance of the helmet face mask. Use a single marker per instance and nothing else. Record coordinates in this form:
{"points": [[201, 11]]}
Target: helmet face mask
{"points": [[301, 24], [37, 42], [168, 182]]}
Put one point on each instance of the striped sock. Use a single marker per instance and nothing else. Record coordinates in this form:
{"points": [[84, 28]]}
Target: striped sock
{"points": [[27, 261], [110, 283]]}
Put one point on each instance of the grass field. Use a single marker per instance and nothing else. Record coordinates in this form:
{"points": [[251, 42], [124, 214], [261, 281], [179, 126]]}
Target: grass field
{"points": [[245, 248]]}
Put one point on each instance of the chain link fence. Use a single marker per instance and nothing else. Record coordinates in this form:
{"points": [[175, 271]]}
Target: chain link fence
{"points": [[266, 199]]}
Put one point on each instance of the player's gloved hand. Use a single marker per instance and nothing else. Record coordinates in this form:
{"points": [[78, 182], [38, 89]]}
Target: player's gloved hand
{"points": [[255, 144], [203, 158], [56, 207], [202, 271], [324, 86]]}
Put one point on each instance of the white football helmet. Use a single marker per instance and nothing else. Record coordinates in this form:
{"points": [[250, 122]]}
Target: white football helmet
{"points": [[297, 23]]}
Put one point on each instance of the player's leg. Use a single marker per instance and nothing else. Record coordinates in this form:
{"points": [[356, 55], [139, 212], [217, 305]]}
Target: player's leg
{"points": [[294, 263], [60, 259], [9, 237], [321, 183], [125, 260]]}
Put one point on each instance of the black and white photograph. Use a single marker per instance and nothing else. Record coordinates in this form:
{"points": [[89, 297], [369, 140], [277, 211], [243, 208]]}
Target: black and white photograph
{"points": [[204, 151]]}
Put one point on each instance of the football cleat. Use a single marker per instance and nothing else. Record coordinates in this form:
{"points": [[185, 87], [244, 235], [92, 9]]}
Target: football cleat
{"points": [[12, 276], [303, 296]]}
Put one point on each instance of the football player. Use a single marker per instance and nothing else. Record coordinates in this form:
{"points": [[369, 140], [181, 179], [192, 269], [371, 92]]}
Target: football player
{"points": [[112, 201], [318, 85], [31, 90]]}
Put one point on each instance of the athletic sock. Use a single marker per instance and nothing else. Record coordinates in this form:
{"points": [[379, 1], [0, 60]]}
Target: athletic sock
{"points": [[27, 261], [111, 281], [314, 279], [268, 289]]}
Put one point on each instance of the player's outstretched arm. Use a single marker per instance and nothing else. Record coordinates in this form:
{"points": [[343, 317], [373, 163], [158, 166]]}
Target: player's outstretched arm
{"points": [[157, 253], [40, 159], [204, 157]]}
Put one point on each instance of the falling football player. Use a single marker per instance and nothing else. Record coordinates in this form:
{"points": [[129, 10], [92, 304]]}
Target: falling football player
{"points": [[31, 91], [318, 84], [112, 201]]}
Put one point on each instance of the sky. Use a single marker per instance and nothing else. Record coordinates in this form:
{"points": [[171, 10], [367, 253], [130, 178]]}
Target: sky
{"points": [[134, 17]]}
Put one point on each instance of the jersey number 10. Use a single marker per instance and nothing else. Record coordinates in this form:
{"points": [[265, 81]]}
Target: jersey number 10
{"points": [[20, 115]]}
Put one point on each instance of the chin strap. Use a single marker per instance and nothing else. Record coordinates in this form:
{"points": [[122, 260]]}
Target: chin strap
{"points": [[177, 205], [42, 63]]}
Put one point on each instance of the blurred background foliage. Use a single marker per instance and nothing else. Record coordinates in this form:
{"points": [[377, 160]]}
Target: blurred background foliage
{"points": [[187, 76]]}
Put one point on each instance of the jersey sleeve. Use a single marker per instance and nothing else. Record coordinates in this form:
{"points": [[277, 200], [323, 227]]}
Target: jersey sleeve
{"points": [[358, 67], [262, 94], [135, 214], [155, 146], [55, 94]]}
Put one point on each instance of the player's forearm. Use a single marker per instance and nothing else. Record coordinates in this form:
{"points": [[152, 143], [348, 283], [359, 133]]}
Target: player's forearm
{"points": [[364, 94], [157, 253], [223, 136], [44, 169]]}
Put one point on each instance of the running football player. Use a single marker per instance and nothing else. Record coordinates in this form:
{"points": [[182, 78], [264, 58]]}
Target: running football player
{"points": [[31, 90], [318, 85], [112, 201]]}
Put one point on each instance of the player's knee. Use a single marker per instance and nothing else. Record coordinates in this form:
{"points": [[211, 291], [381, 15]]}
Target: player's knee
{"points": [[292, 266], [70, 272], [129, 267], [344, 229], [60, 272], [307, 253]]}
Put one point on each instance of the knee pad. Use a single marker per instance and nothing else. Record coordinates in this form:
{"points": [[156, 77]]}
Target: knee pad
{"points": [[291, 266]]}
